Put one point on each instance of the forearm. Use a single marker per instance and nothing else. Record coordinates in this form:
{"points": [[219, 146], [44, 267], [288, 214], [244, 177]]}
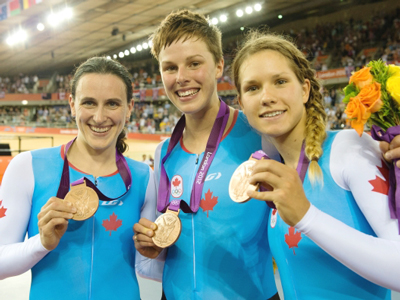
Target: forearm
{"points": [[18, 258], [376, 259]]}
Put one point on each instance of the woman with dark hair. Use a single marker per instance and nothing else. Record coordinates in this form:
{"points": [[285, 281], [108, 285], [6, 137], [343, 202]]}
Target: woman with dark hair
{"points": [[76, 244]]}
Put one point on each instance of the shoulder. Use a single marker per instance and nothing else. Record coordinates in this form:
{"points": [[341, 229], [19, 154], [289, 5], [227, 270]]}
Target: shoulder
{"points": [[348, 142], [47, 152], [353, 157], [22, 160], [137, 166]]}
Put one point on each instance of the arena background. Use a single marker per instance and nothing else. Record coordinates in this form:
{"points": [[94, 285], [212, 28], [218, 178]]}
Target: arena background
{"points": [[102, 27]]}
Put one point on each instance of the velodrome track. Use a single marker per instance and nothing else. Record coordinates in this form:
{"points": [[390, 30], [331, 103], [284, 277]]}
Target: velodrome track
{"points": [[31, 141]]}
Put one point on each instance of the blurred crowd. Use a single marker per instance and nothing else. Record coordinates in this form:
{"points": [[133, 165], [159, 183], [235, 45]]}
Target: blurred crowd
{"points": [[351, 43]]}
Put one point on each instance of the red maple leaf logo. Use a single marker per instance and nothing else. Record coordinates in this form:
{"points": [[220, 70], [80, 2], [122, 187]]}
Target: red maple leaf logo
{"points": [[2, 210], [176, 182], [293, 239], [112, 224], [209, 203], [380, 185]]}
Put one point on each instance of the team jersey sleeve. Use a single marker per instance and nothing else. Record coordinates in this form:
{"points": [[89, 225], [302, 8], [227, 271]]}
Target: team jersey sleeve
{"points": [[17, 255], [146, 267], [355, 163]]}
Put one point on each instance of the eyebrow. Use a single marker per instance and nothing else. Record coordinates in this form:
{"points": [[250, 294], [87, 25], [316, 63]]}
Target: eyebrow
{"points": [[94, 99], [252, 81], [188, 58]]}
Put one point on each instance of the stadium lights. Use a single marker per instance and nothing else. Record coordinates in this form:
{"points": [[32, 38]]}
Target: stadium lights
{"points": [[115, 56], [223, 18], [121, 54], [108, 57], [24, 102], [17, 37], [54, 19], [280, 17], [257, 7], [40, 26]]}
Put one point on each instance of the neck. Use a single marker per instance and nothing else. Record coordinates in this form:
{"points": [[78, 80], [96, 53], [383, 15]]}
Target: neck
{"points": [[200, 124], [289, 145], [91, 161], [198, 128]]}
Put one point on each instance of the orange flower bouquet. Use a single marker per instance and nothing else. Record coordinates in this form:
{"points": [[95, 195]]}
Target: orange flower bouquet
{"points": [[373, 96]]}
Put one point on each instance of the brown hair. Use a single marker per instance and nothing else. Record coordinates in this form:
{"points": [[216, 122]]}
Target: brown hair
{"points": [[315, 134], [185, 25], [102, 65]]}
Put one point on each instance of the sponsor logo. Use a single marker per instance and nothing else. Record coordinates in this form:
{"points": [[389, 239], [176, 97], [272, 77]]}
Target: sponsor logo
{"points": [[213, 176]]}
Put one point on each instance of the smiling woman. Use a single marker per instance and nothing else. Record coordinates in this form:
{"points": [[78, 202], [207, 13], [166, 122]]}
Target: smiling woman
{"points": [[61, 250], [322, 183]]}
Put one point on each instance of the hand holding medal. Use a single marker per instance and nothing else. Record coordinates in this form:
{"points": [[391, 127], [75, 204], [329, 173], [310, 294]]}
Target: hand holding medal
{"points": [[286, 183]]}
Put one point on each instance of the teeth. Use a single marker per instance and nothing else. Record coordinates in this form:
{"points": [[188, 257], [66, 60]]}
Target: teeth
{"points": [[98, 129], [272, 114], [187, 93]]}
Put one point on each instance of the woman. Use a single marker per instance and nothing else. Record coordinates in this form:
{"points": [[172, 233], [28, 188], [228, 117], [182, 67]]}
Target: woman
{"points": [[222, 252], [78, 259], [331, 224]]}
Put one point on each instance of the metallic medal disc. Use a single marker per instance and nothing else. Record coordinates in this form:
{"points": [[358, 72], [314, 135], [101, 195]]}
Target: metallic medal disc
{"points": [[239, 183], [168, 229], [84, 199]]}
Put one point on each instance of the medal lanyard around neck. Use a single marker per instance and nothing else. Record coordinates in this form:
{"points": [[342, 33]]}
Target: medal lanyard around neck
{"points": [[303, 163], [123, 170], [211, 148]]}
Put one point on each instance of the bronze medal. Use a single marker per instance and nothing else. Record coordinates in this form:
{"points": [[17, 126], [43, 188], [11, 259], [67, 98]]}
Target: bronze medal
{"points": [[168, 229], [84, 199], [239, 183]]}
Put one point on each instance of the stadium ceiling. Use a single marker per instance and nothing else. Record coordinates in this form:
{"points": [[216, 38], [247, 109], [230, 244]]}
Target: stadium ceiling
{"points": [[92, 29]]}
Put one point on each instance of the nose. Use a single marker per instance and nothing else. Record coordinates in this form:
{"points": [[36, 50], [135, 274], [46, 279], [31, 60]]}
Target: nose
{"points": [[181, 76], [267, 96], [100, 115]]}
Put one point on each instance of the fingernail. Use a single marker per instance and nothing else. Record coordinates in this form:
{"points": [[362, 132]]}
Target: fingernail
{"points": [[388, 156], [74, 210], [149, 233], [153, 226]]}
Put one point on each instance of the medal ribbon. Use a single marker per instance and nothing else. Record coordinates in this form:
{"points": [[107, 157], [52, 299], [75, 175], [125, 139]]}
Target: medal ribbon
{"points": [[123, 170], [211, 148], [301, 169], [378, 134]]}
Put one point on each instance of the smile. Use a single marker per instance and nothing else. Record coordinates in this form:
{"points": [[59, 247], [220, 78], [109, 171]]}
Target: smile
{"points": [[100, 129], [187, 93], [272, 114]]}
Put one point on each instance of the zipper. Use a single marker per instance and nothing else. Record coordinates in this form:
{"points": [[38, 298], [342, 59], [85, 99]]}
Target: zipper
{"points": [[92, 254], [193, 234]]}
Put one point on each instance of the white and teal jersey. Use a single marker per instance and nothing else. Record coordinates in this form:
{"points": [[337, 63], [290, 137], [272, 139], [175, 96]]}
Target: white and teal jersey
{"points": [[354, 195], [95, 258], [222, 252]]}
